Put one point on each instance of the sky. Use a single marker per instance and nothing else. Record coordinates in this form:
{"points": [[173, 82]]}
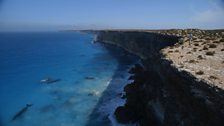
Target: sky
{"points": [[119, 14]]}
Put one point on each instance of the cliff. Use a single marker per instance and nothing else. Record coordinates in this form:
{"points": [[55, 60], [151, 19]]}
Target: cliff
{"points": [[142, 44], [162, 94]]}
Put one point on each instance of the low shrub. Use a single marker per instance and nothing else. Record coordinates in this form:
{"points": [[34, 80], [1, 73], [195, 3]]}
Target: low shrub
{"points": [[196, 44], [210, 53], [212, 46], [205, 48], [189, 52], [176, 51], [195, 49], [200, 72], [216, 41], [213, 77], [192, 61], [221, 40], [200, 57]]}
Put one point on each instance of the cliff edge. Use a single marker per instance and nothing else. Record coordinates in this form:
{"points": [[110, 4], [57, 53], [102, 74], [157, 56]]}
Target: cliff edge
{"points": [[164, 92]]}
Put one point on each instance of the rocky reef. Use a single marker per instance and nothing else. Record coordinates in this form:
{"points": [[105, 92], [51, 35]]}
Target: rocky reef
{"points": [[162, 94]]}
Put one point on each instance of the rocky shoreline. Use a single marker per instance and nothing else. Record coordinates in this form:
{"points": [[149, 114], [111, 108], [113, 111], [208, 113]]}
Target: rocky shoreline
{"points": [[161, 93]]}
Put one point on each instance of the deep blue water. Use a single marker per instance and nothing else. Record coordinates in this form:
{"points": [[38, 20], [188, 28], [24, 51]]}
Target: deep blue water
{"points": [[27, 58]]}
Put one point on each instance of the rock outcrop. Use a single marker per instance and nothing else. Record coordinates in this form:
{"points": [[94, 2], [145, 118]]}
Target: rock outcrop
{"points": [[161, 94]]}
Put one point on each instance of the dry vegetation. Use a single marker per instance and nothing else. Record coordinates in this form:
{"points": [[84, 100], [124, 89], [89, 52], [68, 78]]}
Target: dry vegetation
{"points": [[210, 53], [203, 57], [200, 72]]}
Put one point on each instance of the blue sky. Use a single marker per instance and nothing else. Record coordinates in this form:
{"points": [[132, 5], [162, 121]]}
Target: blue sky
{"points": [[147, 14]]}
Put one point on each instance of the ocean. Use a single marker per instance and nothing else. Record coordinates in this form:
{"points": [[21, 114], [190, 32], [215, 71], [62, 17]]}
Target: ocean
{"points": [[87, 79]]}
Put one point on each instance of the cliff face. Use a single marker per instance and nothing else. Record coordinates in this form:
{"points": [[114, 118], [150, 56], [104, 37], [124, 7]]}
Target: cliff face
{"points": [[142, 44], [160, 93]]}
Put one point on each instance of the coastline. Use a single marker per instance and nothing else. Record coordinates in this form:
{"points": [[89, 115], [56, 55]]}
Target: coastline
{"points": [[111, 97], [175, 97]]}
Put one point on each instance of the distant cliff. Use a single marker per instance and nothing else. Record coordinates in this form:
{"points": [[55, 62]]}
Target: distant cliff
{"points": [[142, 44], [160, 93]]}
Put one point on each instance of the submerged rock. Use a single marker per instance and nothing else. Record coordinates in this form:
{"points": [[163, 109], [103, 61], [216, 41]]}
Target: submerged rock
{"points": [[90, 78], [47, 108]]}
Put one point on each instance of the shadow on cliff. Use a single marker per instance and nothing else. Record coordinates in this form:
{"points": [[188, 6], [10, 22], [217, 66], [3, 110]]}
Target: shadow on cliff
{"points": [[205, 101], [125, 59]]}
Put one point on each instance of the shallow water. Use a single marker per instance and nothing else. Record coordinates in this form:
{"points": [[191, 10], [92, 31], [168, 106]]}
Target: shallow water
{"points": [[27, 58]]}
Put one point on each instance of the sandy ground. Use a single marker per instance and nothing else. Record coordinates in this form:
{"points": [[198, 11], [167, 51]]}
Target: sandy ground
{"points": [[203, 57]]}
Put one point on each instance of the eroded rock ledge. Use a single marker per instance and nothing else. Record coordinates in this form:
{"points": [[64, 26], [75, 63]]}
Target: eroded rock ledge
{"points": [[161, 94]]}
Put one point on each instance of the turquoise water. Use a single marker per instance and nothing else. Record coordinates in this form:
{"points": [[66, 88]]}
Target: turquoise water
{"points": [[27, 58]]}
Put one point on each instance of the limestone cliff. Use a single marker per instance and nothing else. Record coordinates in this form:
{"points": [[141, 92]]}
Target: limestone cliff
{"points": [[142, 44], [160, 93]]}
